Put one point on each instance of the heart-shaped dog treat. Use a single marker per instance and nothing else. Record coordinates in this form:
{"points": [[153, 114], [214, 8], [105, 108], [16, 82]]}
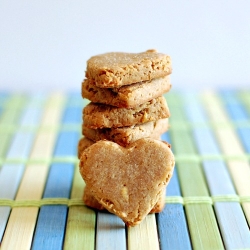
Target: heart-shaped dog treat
{"points": [[90, 201], [115, 69], [127, 181]]}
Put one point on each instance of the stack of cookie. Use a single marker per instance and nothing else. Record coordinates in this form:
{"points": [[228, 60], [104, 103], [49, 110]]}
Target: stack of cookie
{"points": [[126, 106]]}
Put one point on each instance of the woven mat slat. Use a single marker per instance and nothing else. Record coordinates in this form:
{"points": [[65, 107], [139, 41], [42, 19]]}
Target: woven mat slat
{"points": [[208, 198]]}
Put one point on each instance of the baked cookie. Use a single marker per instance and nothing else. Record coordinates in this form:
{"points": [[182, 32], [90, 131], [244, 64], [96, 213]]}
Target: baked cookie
{"points": [[160, 203], [83, 144], [90, 201], [126, 96], [115, 69], [126, 135], [127, 181], [105, 116]]}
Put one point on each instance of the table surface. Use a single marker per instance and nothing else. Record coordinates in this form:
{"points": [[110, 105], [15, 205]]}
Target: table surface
{"points": [[208, 197]]}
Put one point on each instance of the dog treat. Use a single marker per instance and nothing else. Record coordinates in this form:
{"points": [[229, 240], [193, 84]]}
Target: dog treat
{"points": [[116, 69], [126, 135], [125, 165], [160, 203], [83, 144], [106, 116], [127, 181], [126, 96], [90, 201]]}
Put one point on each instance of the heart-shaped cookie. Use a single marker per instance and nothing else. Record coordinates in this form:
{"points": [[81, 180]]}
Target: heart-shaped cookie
{"points": [[115, 69], [127, 181], [90, 201]]}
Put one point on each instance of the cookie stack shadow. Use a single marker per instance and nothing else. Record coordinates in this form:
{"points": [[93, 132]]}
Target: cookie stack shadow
{"points": [[127, 103]]}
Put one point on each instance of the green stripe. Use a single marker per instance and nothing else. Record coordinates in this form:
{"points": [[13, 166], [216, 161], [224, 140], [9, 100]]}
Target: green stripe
{"points": [[203, 227], [4, 144], [192, 181], [201, 218], [76, 201], [191, 159], [244, 96], [80, 229], [182, 142], [6, 127]]}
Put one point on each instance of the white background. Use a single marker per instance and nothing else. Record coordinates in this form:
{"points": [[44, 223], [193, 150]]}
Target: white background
{"points": [[44, 45]]}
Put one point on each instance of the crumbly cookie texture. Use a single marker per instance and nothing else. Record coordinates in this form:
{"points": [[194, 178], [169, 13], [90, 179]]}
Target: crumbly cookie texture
{"points": [[82, 145], [116, 69], [126, 96], [127, 181], [90, 201], [85, 142], [126, 135], [105, 116]]}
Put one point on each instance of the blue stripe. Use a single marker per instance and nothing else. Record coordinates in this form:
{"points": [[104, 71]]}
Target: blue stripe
{"points": [[67, 144], [50, 227], [31, 116], [205, 141], [11, 172], [237, 112], [194, 113], [193, 109], [3, 98], [244, 134], [74, 97], [172, 228], [171, 222], [49, 233], [219, 182], [173, 188], [235, 231], [72, 115], [165, 137], [8, 189], [21, 145], [218, 177], [59, 180], [234, 107], [228, 96], [110, 232]]}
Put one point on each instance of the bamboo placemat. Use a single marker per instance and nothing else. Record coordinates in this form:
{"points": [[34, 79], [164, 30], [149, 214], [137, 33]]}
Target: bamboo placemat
{"points": [[208, 198]]}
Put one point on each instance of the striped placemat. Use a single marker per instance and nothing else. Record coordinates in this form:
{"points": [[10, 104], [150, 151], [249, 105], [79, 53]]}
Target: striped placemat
{"points": [[208, 198]]}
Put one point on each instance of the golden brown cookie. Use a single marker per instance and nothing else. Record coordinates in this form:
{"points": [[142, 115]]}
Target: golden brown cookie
{"points": [[127, 181], [115, 69], [83, 144], [126, 96], [160, 203], [106, 116], [90, 201], [126, 135]]}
